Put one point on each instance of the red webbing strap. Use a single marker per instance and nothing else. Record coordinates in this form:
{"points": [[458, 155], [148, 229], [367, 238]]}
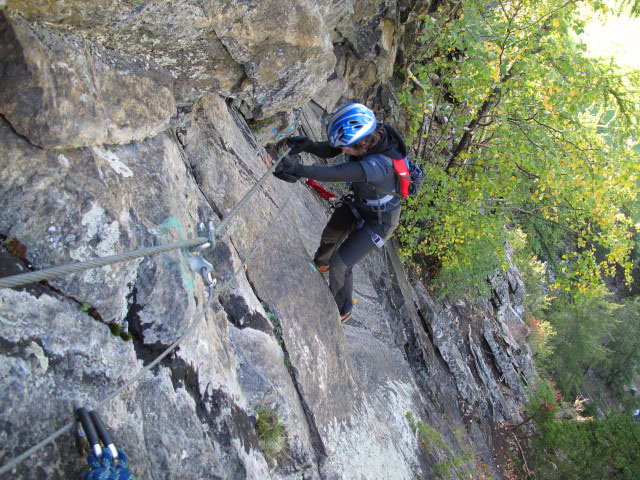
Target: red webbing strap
{"points": [[323, 192]]}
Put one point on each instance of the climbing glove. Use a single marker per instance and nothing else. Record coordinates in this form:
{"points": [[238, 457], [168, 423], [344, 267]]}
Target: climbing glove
{"points": [[298, 144], [286, 170]]}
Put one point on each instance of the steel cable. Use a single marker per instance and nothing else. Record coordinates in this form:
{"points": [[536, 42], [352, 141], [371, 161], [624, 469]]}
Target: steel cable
{"points": [[50, 273], [5, 468]]}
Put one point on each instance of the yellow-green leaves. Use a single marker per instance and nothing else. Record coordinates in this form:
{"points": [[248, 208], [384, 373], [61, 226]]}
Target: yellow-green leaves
{"points": [[517, 129]]}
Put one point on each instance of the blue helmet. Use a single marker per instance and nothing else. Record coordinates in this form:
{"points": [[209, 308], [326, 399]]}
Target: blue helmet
{"points": [[349, 124]]}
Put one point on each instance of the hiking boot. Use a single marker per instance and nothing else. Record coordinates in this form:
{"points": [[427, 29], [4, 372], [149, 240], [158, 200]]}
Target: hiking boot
{"points": [[323, 269], [345, 317]]}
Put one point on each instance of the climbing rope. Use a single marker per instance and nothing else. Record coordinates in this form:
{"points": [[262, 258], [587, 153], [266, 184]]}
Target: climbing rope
{"points": [[50, 273], [210, 290], [105, 468]]}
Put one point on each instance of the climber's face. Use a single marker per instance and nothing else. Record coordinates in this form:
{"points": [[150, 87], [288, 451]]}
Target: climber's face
{"points": [[350, 150]]}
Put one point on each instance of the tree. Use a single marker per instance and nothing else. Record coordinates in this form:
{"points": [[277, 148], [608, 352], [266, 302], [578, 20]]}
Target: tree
{"points": [[518, 130], [566, 444], [618, 367], [631, 6], [593, 449], [583, 335]]}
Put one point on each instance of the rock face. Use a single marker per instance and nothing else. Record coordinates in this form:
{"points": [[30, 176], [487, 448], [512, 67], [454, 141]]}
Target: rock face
{"points": [[274, 55], [96, 159], [61, 91]]}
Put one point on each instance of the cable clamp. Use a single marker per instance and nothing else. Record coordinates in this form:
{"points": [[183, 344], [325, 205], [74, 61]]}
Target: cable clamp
{"points": [[196, 262], [211, 237]]}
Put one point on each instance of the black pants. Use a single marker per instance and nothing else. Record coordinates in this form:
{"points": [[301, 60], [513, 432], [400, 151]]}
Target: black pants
{"points": [[342, 245]]}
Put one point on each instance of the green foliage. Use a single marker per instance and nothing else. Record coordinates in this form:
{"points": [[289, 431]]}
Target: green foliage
{"points": [[589, 450], [115, 328], [541, 342], [632, 7], [622, 357], [533, 273], [582, 332], [428, 436], [515, 126], [543, 402], [277, 330], [126, 336], [92, 311], [567, 444], [271, 433]]}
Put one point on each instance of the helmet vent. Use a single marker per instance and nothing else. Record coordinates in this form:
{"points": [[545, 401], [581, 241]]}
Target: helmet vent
{"points": [[349, 124]]}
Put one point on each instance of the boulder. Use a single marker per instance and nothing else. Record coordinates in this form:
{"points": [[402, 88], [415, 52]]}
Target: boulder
{"points": [[62, 91], [273, 55]]}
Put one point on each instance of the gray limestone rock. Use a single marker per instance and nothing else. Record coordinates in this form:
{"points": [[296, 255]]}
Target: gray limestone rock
{"points": [[504, 360], [73, 205], [62, 91], [447, 337], [266, 383], [274, 55], [283, 46], [502, 409], [309, 317], [49, 360]]}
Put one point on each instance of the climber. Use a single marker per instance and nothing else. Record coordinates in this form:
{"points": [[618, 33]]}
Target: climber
{"points": [[371, 211]]}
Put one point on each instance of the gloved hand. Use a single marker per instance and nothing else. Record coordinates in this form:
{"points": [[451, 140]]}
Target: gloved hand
{"points": [[286, 170], [286, 177], [297, 144]]}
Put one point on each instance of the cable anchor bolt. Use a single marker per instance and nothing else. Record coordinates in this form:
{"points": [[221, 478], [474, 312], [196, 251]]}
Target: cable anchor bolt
{"points": [[204, 268]]}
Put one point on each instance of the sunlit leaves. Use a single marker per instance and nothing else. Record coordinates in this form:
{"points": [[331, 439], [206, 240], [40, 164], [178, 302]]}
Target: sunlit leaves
{"points": [[551, 152]]}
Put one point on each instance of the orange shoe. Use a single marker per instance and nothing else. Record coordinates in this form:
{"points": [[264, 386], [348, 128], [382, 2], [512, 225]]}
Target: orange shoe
{"points": [[345, 317], [324, 269]]}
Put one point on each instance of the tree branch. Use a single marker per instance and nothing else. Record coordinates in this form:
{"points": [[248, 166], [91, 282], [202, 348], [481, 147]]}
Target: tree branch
{"points": [[492, 100], [526, 467]]}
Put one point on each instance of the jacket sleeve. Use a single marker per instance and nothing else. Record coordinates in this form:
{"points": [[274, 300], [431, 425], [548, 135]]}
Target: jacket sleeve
{"points": [[344, 172], [322, 150]]}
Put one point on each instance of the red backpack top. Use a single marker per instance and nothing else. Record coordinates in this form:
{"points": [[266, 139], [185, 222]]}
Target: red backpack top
{"points": [[401, 167]]}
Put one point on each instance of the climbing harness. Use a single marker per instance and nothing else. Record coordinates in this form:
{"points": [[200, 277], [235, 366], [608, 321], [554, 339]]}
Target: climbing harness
{"points": [[377, 240], [211, 290], [106, 463]]}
